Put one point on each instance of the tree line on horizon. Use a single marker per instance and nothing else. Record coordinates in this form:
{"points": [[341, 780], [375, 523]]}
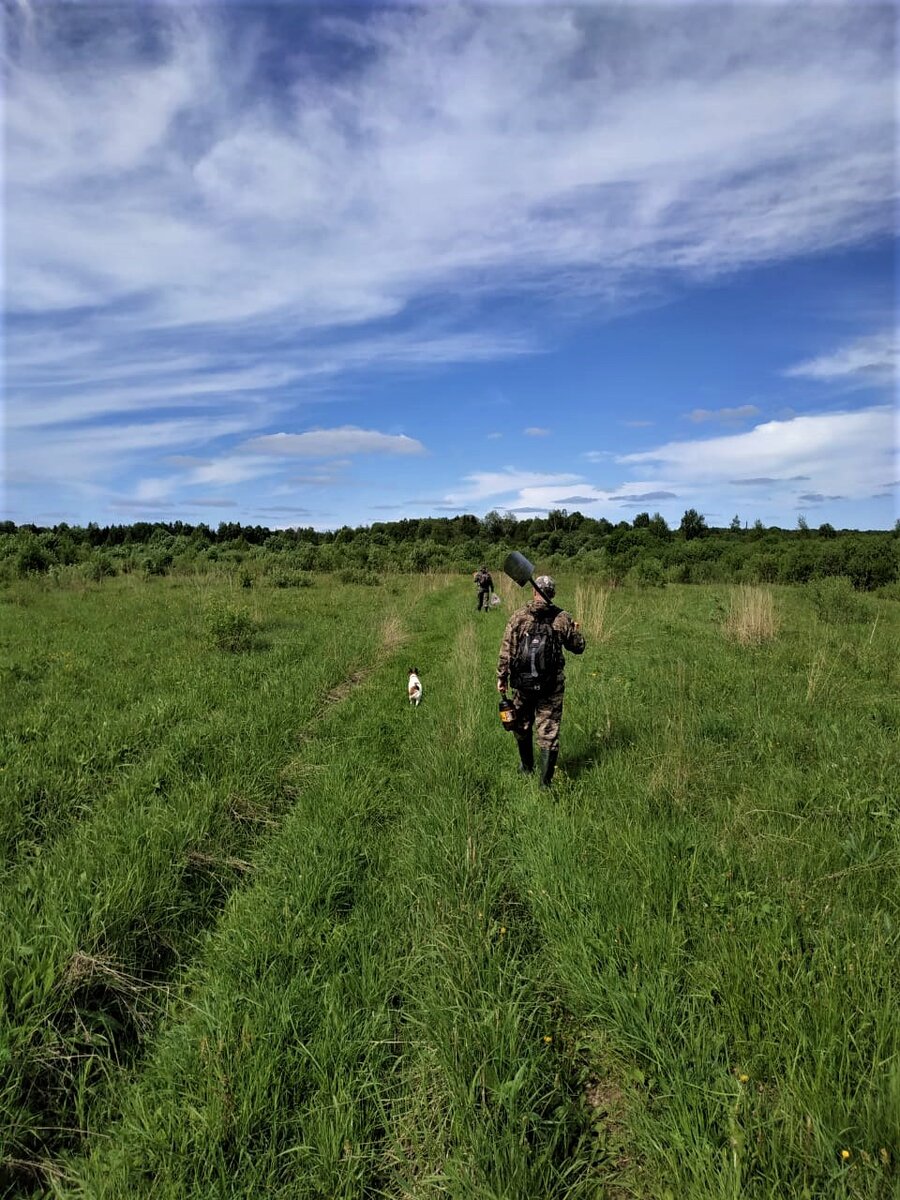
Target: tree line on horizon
{"points": [[645, 550]]}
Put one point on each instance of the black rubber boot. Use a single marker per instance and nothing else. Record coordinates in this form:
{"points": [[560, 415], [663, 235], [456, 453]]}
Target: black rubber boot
{"points": [[526, 754], [548, 766]]}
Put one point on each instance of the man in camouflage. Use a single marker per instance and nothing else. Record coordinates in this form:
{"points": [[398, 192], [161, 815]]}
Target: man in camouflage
{"points": [[485, 585], [541, 708]]}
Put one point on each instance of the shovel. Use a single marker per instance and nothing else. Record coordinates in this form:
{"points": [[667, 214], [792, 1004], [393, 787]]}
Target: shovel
{"points": [[521, 571]]}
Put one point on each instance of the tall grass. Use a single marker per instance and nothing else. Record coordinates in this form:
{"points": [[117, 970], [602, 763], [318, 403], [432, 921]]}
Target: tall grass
{"points": [[129, 880], [356, 954], [592, 610], [752, 618], [511, 595], [377, 1001]]}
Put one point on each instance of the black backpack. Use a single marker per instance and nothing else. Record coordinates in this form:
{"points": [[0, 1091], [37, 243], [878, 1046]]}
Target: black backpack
{"points": [[539, 656]]}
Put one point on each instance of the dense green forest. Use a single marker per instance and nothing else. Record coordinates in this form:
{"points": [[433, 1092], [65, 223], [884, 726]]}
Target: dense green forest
{"points": [[645, 550]]}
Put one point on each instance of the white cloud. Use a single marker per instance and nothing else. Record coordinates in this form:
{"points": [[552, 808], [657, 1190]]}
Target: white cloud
{"points": [[230, 469], [213, 241], [866, 360], [31, 409], [536, 431], [323, 443], [838, 453], [484, 484], [545, 142], [532, 491], [86, 453]]}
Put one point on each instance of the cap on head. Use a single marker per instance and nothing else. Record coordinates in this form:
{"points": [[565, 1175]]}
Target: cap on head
{"points": [[546, 584]]}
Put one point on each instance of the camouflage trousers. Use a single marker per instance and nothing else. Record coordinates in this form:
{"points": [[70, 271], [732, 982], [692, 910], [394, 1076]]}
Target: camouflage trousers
{"points": [[544, 712]]}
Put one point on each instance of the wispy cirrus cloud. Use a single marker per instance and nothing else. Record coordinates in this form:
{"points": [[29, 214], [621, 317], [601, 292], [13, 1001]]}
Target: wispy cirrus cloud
{"points": [[224, 201], [164, 194], [81, 453], [866, 360], [325, 443]]}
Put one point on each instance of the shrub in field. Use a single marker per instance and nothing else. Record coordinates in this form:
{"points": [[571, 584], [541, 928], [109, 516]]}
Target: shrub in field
{"points": [[97, 569], [32, 558], [649, 573], [751, 616], [765, 568], [870, 563], [836, 601], [679, 573], [358, 575], [231, 630], [156, 564], [291, 579]]}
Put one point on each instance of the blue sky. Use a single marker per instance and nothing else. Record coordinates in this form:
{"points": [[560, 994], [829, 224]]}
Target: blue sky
{"points": [[292, 265]]}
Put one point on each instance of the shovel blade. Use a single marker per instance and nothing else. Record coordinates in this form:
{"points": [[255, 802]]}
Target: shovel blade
{"points": [[518, 568]]}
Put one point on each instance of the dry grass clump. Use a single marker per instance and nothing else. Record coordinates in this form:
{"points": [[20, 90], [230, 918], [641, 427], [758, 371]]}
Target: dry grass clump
{"points": [[510, 593], [591, 609], [751, 618], [393, 635]]}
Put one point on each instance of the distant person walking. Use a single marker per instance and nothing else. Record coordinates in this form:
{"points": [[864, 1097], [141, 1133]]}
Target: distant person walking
{"points": [[485, 585], [532, 662]]}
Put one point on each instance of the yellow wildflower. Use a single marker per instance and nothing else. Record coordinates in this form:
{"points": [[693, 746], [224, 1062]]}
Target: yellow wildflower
{"points": [[547, 1038], [845, 1154], [744, 1078]]}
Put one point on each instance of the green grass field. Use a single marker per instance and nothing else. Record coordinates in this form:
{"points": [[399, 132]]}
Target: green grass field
{"points": [[269, 932]]}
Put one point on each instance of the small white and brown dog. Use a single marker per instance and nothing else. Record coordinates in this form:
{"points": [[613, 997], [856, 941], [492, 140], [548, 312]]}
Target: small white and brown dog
{"points": [[414, 688]]}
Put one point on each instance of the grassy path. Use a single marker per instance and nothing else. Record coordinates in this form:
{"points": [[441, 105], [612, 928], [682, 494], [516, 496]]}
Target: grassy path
{"points": [[363, 1022]]}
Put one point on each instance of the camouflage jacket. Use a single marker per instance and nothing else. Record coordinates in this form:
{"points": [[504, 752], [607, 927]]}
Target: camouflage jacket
{"points": [[483, 581], [520, 623]]}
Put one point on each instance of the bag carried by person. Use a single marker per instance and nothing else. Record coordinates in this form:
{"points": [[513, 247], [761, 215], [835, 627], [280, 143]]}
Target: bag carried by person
{"points": [[539, 656]]}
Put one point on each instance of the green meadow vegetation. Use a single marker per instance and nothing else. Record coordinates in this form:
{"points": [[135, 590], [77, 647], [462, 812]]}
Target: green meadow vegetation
{"points": [[270, 932]]}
